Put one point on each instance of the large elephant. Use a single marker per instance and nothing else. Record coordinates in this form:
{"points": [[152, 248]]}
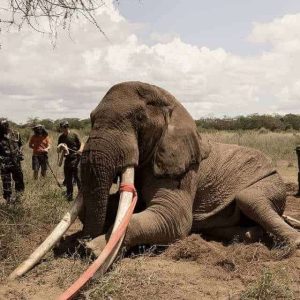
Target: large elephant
{"points": [[185, 183]]}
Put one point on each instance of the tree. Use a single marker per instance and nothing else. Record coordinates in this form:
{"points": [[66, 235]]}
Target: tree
{"points": [[47, 16]]}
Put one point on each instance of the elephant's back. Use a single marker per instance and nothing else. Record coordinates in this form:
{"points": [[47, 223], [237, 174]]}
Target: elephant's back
{"points": [[228, 170]]}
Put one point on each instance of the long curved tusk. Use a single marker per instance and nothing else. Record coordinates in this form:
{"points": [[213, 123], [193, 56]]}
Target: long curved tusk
{"points": [[51, 240], [107, 256], [124, 204]]}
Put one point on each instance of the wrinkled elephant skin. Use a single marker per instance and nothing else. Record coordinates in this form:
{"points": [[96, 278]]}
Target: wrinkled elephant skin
{"points": [[185, 183]]}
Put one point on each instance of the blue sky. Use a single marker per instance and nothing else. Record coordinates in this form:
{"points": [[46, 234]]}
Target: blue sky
{"points": [[218, 58], [213, 23]]}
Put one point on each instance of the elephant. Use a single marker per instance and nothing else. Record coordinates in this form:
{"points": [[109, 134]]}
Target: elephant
{"points": [[185, 182]]}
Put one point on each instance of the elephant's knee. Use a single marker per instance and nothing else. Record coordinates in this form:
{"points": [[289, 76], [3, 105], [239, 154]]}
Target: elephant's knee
{"points": [[253, 204]]}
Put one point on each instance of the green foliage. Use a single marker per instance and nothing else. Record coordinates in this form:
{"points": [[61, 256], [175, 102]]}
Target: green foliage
{"points": [[289, 122], [75, 123], [252, 122]]}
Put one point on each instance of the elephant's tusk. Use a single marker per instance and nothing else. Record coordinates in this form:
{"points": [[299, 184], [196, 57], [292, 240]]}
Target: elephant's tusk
{"points": [[51, 240], [292, 221], [62, 151], [107, 256]]}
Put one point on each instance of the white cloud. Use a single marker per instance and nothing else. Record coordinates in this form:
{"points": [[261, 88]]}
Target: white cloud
{"points": [[37, 80]]}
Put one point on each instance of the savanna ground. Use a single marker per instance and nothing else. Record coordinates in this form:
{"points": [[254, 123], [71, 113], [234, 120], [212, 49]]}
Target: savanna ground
{"points": [[192, 268]]}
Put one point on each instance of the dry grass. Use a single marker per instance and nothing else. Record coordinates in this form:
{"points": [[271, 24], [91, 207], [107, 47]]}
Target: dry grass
{"points": [[272, 284], [24, 226], [279, 146], [42, 205]]}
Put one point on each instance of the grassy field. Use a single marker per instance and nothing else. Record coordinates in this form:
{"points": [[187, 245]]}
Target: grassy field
{"points": [[43, 203], [279, 146]]}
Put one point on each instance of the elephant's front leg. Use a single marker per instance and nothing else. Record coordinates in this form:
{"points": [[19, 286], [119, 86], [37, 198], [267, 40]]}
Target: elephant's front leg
{"points": [[167, 218]]}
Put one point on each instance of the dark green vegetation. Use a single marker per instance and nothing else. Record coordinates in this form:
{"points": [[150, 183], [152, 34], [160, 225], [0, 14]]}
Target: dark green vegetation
{"points": [[251, 122]]}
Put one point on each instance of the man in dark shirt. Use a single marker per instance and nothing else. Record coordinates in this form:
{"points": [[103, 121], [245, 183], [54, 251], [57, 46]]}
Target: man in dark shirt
{"points": [[10, 161], [72, 159]]}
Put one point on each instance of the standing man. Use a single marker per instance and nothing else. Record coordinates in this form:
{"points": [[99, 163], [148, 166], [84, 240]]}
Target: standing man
{"points": [[10, 161], [298, 156], [40, 144], [72, 159]]}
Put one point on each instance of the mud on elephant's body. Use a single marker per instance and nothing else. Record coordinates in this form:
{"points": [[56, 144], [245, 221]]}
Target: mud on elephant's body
{"points": [[184, 182]]}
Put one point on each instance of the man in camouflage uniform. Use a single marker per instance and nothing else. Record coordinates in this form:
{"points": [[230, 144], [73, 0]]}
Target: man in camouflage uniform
{"points": [[10, 161], [298, 156]]}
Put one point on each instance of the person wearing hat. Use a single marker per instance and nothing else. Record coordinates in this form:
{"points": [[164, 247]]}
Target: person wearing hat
{"points": [[40, 144], [74, 149], [10, 161], [298, 157]]}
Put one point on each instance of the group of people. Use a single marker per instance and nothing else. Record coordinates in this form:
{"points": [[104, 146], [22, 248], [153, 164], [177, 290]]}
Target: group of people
{"points": [[11, 156]]}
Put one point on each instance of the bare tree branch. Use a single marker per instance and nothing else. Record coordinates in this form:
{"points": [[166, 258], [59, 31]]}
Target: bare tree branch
{"points": [[47, 16]]}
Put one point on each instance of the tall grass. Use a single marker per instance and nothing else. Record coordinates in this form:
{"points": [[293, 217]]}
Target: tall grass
{"points": [[279, 146], [42, 205]]}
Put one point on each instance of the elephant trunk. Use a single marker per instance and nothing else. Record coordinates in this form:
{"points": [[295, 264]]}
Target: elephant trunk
{"points": [[97, 177], [106, 155]]}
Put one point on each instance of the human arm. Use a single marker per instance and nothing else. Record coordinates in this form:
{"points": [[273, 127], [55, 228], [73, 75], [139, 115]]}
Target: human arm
{"points": [[47, 144], [79, 144]]}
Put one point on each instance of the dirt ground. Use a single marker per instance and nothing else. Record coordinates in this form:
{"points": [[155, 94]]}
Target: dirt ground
{"points": [[189, 269]]}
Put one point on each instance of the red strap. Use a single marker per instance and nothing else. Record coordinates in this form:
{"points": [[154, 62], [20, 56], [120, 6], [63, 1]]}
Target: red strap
{"points": [[127, 187], [114, 238]]}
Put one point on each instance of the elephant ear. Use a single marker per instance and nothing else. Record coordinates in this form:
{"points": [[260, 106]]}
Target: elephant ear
{"points": [[180, 146]]}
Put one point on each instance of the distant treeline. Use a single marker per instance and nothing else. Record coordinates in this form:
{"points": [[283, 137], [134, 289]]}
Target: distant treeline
{"points": [[49, 124], [252, 122]]}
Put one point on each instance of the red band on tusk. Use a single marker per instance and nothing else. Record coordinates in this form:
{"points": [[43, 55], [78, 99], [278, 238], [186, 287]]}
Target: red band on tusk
{"points": [[128, 187]]}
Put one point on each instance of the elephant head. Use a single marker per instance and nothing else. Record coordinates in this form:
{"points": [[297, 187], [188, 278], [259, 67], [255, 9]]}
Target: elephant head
{"points": [[136, 124]]}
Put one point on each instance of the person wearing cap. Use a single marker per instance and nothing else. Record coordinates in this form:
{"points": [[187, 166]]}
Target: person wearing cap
{"points": [[298, 157], [10, 161], [72, 159], [40, 144]]}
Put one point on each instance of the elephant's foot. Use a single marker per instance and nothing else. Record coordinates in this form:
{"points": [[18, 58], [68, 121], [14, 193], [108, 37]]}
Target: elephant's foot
{"points": [[288, 246]]}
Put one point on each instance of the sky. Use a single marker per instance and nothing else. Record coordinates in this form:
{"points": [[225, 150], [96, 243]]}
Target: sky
{"points": [[218, 58]]}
